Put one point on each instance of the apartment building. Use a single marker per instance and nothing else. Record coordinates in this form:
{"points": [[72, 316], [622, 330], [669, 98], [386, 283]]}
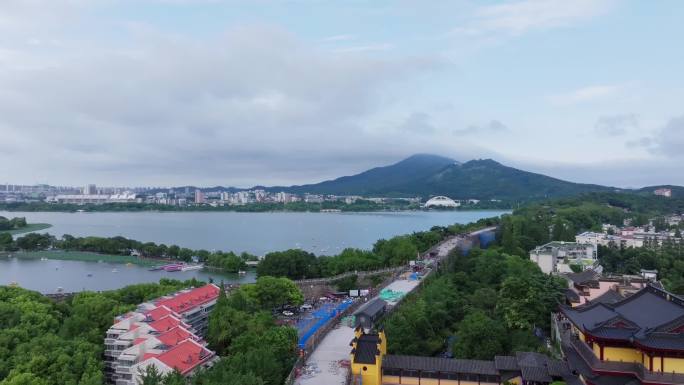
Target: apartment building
{"points": [[557, 257], [166, 332]]}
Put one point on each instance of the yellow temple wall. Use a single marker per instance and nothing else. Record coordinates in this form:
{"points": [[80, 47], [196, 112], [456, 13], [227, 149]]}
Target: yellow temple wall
{"points": [[673, 365], [394, 380], [621, 354], [656, 364]]}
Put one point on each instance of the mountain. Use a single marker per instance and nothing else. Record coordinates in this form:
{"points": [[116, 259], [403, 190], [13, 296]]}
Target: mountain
{"points": [[393, 180], [428, 175]]}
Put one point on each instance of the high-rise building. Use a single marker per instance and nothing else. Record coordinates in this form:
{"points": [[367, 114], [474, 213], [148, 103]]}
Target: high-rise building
{"points": [[90, 189], [199, 196]]}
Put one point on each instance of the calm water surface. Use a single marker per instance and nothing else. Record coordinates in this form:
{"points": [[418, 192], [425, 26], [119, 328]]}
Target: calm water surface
{"points": [[257, 233], [48, 276]]}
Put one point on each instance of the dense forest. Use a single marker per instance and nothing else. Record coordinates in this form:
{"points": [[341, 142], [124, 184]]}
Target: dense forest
{"points": [[479, 305], [48, 343], [561, 220], [496, 301], [228, 261], [12, 224], [396, 251]]}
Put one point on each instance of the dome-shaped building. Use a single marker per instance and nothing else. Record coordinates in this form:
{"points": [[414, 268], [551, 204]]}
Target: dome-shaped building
{"points": [[441, 201]]}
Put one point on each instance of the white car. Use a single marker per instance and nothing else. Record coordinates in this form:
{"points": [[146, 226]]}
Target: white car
{"points": [[305, 307], [288, 313]]}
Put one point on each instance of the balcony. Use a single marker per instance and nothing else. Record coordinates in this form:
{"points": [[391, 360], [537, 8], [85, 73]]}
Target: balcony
{"points": [[621, 368]]}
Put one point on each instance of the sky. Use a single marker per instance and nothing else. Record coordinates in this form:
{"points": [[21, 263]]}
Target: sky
{"points": [[245, 92]]}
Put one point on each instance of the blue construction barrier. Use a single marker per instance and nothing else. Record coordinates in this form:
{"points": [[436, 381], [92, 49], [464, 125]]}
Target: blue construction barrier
{"points": [[487, 238], [324, 314]]}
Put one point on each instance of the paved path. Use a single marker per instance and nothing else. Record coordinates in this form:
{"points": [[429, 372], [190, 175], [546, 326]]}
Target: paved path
{"points": [[322, 367]]}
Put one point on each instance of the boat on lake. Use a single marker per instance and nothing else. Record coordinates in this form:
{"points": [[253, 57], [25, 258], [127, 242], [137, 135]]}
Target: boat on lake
{"points": [[173, 267]]}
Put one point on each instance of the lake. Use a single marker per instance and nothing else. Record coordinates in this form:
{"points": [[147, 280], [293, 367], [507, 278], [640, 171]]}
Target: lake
{"points": [[256, 233], [48, 276]]}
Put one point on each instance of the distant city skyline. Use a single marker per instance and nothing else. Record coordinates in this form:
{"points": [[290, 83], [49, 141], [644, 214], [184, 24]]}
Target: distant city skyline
{"points": [[242, 93]]}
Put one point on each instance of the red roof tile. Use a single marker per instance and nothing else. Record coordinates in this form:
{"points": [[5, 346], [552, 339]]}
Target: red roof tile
{"points": [[174, 336], [165, 324], [159, 312], [186, 301], [186, 356]]}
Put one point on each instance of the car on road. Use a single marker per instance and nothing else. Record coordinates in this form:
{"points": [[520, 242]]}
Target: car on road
{"points": [[288, 313]]}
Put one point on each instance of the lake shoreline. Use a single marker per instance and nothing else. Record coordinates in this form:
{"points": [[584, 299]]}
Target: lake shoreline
{"points": [[243, 211], [254, 233], [29, 228], [86, 256]]}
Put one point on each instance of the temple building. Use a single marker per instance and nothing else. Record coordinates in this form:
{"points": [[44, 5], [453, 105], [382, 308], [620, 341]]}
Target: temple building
{"points": [[371, 365], [590, 286], [636, 339]]}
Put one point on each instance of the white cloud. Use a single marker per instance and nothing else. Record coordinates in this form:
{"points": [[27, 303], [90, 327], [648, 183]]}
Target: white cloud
{"points": [[492, 127], [365, 48], [338, 38], [419, 123], [587, 94], [517, 17], [250, 106]]}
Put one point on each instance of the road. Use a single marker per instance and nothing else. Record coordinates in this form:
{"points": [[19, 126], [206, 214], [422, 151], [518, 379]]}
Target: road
{"points": [[324, 367]]}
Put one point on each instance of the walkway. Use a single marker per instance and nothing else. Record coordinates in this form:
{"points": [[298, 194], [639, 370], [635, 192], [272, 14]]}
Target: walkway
{"points": [[329, 363], [323, 367]]}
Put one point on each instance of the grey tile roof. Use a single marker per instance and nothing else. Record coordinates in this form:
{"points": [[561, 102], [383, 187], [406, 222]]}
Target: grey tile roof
{"points": [[648, 308], [557, 368], [667, 341], [372, 308], [609, 297], [572, 295], [445, 365], [366, 350], [506, 363], [536, 360], [589, 316], [613, 333], [585, 277], [536, 374]]}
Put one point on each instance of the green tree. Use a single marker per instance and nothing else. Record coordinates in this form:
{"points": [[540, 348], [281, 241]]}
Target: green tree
{"points": [[151, 376], [479, 337], [274, 292]]}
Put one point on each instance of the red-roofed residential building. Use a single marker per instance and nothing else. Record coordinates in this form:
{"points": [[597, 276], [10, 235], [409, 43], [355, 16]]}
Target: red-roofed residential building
{"points": [[153, 333], [185, 357]]}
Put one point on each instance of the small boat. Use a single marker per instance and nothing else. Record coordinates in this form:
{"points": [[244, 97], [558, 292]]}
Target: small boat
{"points": [[90, 274], [129, 264], [43, 259], [115, 271], [156, 268], [173, 267], [242, 272]]}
